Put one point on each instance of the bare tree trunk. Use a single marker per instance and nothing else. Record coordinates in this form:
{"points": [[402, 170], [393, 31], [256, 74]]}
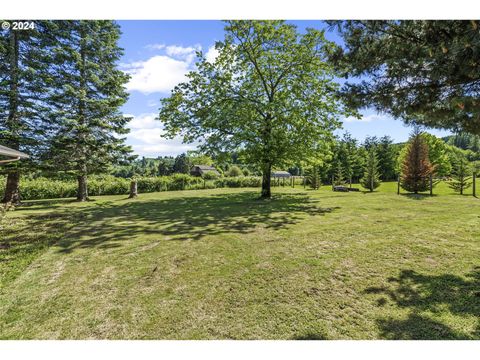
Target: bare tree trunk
{"points": [[266, 181], [82, 190], [133, 189]]}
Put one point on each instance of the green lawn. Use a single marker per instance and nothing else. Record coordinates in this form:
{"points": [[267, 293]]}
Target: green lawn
{"points": [[216, 264]]}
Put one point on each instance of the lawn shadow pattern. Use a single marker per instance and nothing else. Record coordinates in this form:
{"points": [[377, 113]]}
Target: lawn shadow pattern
{"points": [[106, 224], [424, 295]]}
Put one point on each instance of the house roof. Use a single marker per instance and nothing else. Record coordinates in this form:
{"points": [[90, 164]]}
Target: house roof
{"points": [[5, 151], [281, 174], [205, 167]]}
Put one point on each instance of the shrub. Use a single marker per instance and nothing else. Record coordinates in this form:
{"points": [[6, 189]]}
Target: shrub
{"points": [[43, 188], [234, 171], [246, 172], [211, 175]]}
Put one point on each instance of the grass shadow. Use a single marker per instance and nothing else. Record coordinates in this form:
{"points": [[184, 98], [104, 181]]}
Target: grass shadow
{"points": [[310, 336], [106, 224], [419, 196], [424, 295]]}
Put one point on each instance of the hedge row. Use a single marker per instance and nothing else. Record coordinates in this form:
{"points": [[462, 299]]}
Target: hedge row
{"points": [[43, 188]]}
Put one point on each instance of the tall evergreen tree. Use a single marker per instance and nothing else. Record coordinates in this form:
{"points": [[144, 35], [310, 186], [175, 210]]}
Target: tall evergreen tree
{"points": [[461, 174], [86, 99], [339, 175], [24, 83], [416, 166], [313, 176], [386, 154], [371, 176], [182, 164]]}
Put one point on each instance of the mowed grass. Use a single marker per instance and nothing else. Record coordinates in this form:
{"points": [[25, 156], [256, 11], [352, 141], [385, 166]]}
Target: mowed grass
{"points": [[221, 264]]}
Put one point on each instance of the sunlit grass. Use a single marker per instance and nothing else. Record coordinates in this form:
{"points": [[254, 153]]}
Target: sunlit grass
{"points": [[221, 264]]}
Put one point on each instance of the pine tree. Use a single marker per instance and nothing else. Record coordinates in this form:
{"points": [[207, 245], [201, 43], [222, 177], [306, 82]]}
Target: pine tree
{"points": [[87, 99], [24, 81], [371, 176], [339, 177], [416, 167], [461, 174], [313, 177], [182, 164]]}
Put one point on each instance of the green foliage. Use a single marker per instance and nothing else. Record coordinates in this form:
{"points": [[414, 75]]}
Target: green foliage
{"points": [[269, 92], [461, 174], [313, 177], [210, 175], [464, 141], [339, 175], [182, 164], [421, 71], [246, 172], [236, 182], [371, 177], [25, 80], [199, 159], [89, 90], [234, 171], [43, 188]]}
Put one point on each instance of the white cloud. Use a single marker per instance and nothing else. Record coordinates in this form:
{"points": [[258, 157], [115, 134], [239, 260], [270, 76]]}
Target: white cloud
{"points": [[157, 74], [181, 52], [166, 148], [143, 121], [211, 54], [155, 46], [367, 118], [147, 136]]}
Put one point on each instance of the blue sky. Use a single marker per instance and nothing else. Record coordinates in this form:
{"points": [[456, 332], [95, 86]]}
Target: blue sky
{"points": [[158, 53]]}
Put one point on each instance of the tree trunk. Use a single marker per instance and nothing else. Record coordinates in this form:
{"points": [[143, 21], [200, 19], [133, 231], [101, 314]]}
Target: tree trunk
{"points": [[133, 189], [82, 190], [266, 181], [12, 193]]}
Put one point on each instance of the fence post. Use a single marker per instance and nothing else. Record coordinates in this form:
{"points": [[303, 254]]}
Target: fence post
{"points": [[431, 184], [474, 187], [398, 185], [304, 181], [333, 180]]}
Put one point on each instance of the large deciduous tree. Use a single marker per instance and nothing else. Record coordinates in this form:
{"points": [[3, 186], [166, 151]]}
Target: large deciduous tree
{"points": [[420, 71], [269, 94], [86, 99], [24, 83]]}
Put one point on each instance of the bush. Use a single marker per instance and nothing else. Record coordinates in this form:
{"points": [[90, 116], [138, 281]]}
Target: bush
{"points": [[234, 171], [210, 175], [246, 172], [43, 188]]}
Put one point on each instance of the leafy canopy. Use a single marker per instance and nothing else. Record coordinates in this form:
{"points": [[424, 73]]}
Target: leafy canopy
{"points": [[269, 94]]}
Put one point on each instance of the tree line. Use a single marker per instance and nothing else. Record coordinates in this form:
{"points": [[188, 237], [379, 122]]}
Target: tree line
{"points": [[270, 96]]}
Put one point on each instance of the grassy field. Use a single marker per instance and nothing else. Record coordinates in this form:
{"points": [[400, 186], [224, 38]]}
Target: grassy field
{"points": [[217, 264]]}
